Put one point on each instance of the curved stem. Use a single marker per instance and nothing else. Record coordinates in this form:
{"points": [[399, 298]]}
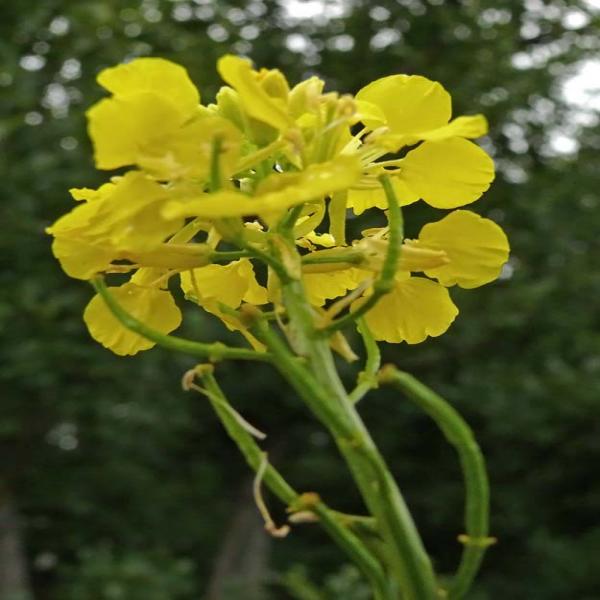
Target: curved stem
{"points": [[329, 519], [212, 351], [460, 435], [367, 378]]}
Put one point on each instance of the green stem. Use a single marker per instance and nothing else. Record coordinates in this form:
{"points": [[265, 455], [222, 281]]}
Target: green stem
{"points": [[288, 222], [212, 351], [324, 257], [316, 380], [367, 378], [267, 257], [460, 435], [227, 256], [385, 282], [330, 520]]}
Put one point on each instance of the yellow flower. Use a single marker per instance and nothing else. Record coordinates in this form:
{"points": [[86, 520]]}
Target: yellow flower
{"points": [[476, 249], [409, 103], [263, 94], [154, 120], [230, 284], [446, 170], [121, 220], [262, 105], [461, 249], [449, 173], [154, 307], [415, 309], [216, 285], [265, 161], [321, 287], [371, 195]]}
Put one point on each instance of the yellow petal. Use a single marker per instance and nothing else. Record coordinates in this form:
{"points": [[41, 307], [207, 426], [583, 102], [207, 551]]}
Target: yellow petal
{"points": [[76, 219], [476, 248], [255, 293], [238, 73], [326, 240], [229, 284], [360, 200], [312, 184], [81, 259], [156, 308], [89, 195], [321, 287], [123, 128], [466, 127], [367, 112], [449, 173], [157, 75], [129, 215], [410, 103], [80, 255], [415, 309]]}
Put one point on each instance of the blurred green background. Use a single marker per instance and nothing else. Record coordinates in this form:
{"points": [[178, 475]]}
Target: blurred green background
{"points": [[114, 484]]}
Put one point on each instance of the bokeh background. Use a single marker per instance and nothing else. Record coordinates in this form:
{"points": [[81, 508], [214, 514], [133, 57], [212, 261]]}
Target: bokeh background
{"points": [[115, 485]]}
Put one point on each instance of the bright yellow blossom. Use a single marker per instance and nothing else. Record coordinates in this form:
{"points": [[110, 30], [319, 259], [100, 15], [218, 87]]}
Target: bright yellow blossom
{"points": [[415, 309], [476, 249], [153, 306], [154, 120], [446, 170], [121, 220], [213, 188]]}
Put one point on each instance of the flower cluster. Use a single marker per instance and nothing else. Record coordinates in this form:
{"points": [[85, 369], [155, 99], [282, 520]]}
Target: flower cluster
{"points": [[210, 187]]}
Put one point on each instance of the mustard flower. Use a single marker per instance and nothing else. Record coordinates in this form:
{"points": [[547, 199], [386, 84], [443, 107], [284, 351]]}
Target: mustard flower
{"points": [[210, 188]]}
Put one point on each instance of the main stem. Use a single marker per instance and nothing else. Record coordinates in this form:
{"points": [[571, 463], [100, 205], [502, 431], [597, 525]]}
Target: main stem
{"points": [[318, 382]]}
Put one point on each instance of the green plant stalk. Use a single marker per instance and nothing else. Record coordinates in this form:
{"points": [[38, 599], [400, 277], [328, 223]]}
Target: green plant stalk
{"points": [[331, 521], [315, 378], [409, 562], [211, 351], [460, 435]]}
